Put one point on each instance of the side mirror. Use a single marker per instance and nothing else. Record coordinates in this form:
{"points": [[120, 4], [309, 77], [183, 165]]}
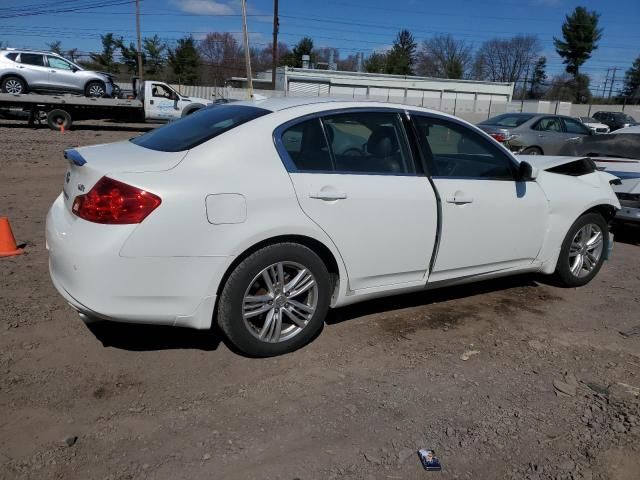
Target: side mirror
{"points": [[527, 172], [74, 69]]}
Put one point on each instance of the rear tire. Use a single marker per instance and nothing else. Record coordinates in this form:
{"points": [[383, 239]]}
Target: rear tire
{"points": [[532, 151], [258, 319], [15, 85], [56, 119], [95, 89], [583, 250]]}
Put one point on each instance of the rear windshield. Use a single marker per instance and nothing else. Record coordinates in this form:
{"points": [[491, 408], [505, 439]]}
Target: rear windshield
{"points": [[507, 120], [198, 127]]}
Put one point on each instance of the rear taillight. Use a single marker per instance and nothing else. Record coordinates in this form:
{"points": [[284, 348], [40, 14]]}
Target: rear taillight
{"points": [[501, 137], [114, 202]]}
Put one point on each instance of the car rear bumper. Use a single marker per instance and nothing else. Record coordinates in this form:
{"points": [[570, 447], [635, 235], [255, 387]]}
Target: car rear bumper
{"points": [[86, 268]]}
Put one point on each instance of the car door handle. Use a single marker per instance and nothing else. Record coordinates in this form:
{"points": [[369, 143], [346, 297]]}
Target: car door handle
{"points": [[573, 139], [52, 71], [460, 198], [540, 135], [330, 195], [150, 102]]}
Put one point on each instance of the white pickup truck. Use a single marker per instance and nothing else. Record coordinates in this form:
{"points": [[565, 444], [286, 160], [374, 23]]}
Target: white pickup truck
{"points": [[150, 101]]}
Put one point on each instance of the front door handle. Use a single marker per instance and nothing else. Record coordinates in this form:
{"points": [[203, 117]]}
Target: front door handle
{"points": [[329, 195], [573, 139], [460, 198], [540, 135], [150, 102]]}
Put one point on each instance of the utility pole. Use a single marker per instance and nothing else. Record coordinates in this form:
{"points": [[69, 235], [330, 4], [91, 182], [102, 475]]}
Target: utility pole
{"points": [[247, 53], [274, 50], [524, 89], [140, 69], [613, 79], [606, 80]]}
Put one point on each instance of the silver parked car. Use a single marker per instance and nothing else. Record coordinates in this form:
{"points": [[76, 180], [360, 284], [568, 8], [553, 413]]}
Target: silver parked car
{"points": [[593, 124], [534, 133], [22, 71]]}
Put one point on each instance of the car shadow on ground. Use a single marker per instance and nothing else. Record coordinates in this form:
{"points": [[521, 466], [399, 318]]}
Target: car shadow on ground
{"points": [[629, 234], [140, 338], [431, 297], [135, 337]]}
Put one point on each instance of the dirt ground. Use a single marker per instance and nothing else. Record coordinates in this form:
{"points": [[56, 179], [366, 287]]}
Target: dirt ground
{"points": [[383, 379]]}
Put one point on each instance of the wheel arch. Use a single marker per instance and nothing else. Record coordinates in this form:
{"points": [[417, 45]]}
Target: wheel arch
{"points": [[11, 74], [607, 210], [314, 245], [189, 109]]}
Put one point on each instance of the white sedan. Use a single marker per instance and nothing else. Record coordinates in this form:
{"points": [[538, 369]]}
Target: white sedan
{"points": [[262, 215]]}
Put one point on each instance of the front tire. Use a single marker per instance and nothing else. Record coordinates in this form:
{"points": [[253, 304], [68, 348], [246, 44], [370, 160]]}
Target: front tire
{"points": [[95, 89], [275, 300], [583, 250]]}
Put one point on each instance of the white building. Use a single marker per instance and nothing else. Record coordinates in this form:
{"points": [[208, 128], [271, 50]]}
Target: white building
{"points": [[455, 96]]}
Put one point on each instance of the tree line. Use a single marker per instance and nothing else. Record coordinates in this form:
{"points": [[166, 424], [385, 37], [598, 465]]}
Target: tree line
{"points": [[219, 56]]}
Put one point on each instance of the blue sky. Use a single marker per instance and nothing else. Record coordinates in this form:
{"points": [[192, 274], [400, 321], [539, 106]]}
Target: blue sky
{"points": [[349, 25]]}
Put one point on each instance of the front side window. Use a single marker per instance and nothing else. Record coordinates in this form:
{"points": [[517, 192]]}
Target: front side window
{"points": [[368, 142], [198, 127], [161, 91], [55, 62], [573, 126], [549, 124], [453, 150], [32, 59]]}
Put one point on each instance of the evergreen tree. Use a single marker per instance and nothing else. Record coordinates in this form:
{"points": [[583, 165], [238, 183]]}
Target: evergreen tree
{"points": [[580, 34], [294, 58], [105, 58], [402, 56], [130, 56], [538, 79], [631, 89], [55, 47], [154, 49], [376, 63], [185, 61]]}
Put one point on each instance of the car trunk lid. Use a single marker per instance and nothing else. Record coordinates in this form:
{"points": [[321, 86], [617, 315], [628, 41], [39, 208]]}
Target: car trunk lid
{"points": [[87, 165]]}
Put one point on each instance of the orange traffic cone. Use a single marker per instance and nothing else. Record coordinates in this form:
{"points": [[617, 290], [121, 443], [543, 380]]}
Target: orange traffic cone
{"points": [[8, 245], [62, 128]]}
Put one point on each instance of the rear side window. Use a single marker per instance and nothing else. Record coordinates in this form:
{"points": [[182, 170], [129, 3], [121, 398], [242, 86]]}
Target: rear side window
{"points": [[306, 146], [12, 56], [548, 124], [198, 127], [508, 120], [32, 59]]}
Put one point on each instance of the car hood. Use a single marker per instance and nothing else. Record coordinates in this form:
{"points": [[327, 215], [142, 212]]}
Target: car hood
{"points": [[546, 162]]}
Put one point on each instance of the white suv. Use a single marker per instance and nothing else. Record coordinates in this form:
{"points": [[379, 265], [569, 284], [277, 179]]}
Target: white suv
{"points": [[22, 71]]}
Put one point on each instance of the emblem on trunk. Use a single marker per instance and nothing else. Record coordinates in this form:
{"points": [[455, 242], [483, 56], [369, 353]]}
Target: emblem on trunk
{"points": [[81, 187]]}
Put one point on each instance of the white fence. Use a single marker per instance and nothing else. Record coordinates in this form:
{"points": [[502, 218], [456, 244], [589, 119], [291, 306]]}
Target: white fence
{"points": [[464, 105]]}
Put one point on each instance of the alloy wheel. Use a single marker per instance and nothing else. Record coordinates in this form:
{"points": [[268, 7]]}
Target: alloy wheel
{"points": [[96, 91], [280, 302], [13, 86], [586, 249]]}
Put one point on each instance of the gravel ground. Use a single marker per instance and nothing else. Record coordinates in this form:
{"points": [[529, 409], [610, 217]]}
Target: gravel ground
{"points": [[510, 379]]}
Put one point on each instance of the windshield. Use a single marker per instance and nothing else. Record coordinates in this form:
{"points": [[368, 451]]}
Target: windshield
{"points": [[624, 117], [198, 127], [508, 120]]}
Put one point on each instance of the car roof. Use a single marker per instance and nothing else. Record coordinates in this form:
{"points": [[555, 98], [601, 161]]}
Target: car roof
{"points": [[276, 104], [28, 50]]}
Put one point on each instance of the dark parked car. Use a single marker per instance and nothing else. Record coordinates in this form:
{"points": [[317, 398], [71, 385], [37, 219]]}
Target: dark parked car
{"points": [[615, 120], [535, 133]]}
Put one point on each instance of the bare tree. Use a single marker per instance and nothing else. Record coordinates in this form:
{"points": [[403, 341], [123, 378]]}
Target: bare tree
{"points": [[444, 57], [506, 59], [221, 57]]}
